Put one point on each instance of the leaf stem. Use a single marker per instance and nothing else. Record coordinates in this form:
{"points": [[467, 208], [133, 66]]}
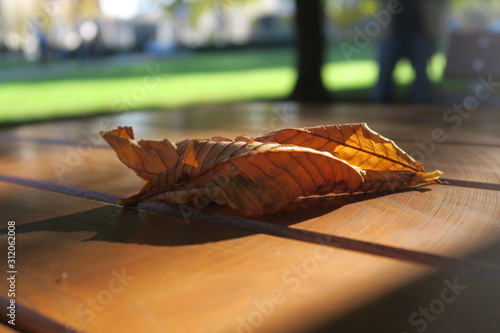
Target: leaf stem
{"points": [[434, 175]]}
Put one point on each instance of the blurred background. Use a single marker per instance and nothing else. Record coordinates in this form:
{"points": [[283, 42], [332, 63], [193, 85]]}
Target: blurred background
{"points": [[63, 58]]}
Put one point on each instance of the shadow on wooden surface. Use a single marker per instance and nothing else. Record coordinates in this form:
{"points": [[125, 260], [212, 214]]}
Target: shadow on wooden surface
{"points": [[311, 207], [123, 225], [440, 302], [118, 225]]}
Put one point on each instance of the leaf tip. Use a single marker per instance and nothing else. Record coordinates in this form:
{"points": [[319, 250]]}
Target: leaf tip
{"points": [[121, 131]]}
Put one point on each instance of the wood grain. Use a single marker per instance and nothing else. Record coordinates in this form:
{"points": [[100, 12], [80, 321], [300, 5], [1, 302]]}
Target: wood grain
{"points": [[195, 277]]}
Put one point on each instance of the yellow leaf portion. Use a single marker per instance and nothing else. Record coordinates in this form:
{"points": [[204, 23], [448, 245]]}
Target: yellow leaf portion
{"points": [[387, 166]]}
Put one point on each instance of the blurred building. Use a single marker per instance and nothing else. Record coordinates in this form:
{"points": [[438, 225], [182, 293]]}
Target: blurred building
{"points": [[37, 27], [57, 28]]}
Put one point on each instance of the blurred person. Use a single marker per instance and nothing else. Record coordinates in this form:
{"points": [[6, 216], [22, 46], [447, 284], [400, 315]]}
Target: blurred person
{"points": [[91, 40], [44, 46], [411, 32]]}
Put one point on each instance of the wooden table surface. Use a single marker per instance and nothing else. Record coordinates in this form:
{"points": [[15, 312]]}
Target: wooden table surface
{"points": [[414, 261]]}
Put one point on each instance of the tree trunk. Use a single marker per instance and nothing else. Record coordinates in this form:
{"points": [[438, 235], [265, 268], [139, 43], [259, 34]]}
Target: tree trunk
{"points": [[310, 45]]}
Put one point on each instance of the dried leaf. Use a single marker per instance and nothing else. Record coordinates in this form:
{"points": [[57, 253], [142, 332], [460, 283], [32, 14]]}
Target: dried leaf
{"points": [[254, 178], [386, 165], [261, 175], [147, 158]]}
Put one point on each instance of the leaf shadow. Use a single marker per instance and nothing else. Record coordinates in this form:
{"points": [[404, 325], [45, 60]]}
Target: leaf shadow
{"points": [[312, 207], [116, 224]]}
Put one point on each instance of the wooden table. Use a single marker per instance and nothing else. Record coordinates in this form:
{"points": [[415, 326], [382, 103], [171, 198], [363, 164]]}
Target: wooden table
{"points": [[410, 261]]}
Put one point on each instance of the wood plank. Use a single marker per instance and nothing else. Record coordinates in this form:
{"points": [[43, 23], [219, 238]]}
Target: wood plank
{"points": [[6, 329], [436, 303], [69, 260], [393, 121], [72, 249], [435, 221], [98, 169]]}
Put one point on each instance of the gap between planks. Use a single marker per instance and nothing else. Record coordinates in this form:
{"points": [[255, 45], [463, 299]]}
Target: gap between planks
{"points": [[437, 261]]}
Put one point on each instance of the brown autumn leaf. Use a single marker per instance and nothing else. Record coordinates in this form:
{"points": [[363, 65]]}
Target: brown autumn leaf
{"points": [[386, 165], [261, 175], [254, 178], [147, 158]]}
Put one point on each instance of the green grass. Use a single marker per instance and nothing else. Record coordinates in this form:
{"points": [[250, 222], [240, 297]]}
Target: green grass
{"points": [[24, 100], [75, 88]]}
